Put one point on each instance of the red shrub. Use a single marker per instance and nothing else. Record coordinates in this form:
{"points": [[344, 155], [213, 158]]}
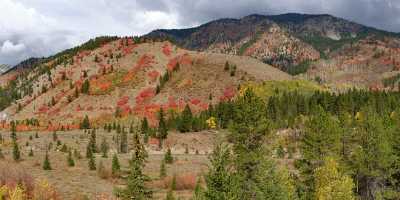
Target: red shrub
{"points": [[228, 94], [153, 75], [166, 49], [122, 101], [12, 176], [172, 103], [186, 59], [43, 109], [172, 63], [203, 106], [128, 77], [144, 61], [144, 95], [79, 108], [183, 182], [195, 101]]}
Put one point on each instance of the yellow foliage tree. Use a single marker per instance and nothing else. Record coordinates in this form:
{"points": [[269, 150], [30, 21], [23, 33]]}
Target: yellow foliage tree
{"points": [[330, 184], [211, 122], [11, 194]]}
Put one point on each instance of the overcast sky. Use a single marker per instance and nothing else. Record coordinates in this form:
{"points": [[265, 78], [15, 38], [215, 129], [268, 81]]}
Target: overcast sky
{"points": [[44, 27]]}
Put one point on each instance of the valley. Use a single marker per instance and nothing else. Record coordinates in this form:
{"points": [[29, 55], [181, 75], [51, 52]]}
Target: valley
{"points": [[282, 107]]}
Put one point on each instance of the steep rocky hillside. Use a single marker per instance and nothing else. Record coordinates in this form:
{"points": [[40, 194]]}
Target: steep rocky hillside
{"points": [[255, 35], [4, 68], [128, 79], [338, 51], [368, 63]]}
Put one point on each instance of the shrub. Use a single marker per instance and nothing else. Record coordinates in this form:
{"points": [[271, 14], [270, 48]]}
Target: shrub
{"points": [[168, 157], [46, 162], [163, 170], [70, 160], [116, 168]]}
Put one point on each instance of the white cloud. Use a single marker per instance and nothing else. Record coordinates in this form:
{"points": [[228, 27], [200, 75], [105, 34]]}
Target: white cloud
{"points": [[146, 21], [9, 48], [44, 27]]}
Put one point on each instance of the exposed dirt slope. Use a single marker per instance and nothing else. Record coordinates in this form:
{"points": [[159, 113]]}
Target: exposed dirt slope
{"points": [[123, 78]]}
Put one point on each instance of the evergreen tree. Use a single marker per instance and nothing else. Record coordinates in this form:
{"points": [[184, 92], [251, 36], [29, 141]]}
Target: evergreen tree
{"points": [[198, 191], [1, 154], [92, 161], [162, 127], [55, 137], [131, 129], [168, 157], [173, 182], [374, 159], [170, 195], [144, 126], [104, 148], [16, 152], [115, 168], [218, 179], [124, 142], [46, 162], [85, 123], [185, 122], [331, 184], [70, 160], [163, 171], [92, 141], [226, 67], [13, 135], [321, 139], [135, 186], [85, 87]]}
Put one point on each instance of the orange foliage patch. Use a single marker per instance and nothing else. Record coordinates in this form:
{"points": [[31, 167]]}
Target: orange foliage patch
{"points": [[204, 106], [172, 103], [172, 63], [144, 61], [153, 75], [183, 182], [184, 59], [23, 127], [43, 109], [195, 101], [79, 108], [123, 100], [166, 49], [128, 76], [228, 94], [144, 95]]}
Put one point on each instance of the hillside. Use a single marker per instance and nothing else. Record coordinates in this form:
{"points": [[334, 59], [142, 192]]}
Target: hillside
{"points": [[128, 76], [122, 78], [297, 42]]}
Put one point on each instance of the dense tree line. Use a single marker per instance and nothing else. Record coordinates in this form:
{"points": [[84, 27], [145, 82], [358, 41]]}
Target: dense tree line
{"points": [[353, 136]]}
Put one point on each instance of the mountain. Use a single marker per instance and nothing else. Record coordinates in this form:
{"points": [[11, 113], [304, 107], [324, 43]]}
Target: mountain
{"points": [[127, 77], [133, 77], [296, 43], [4, 68]]}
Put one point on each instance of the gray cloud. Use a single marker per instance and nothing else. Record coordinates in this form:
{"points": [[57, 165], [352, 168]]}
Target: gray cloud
{"points": [[43, 27]]}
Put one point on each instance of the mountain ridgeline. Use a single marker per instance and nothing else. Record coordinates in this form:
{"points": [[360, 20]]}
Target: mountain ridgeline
{"points": [[286, 41]]}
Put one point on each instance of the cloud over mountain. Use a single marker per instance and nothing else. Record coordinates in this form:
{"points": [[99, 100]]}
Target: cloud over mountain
{"points": [[43, 27]]}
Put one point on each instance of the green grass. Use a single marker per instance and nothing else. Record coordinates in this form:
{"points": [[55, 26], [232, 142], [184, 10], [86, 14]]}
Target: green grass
{"points": [[300, 68], [270, 88], [391, 81]]}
